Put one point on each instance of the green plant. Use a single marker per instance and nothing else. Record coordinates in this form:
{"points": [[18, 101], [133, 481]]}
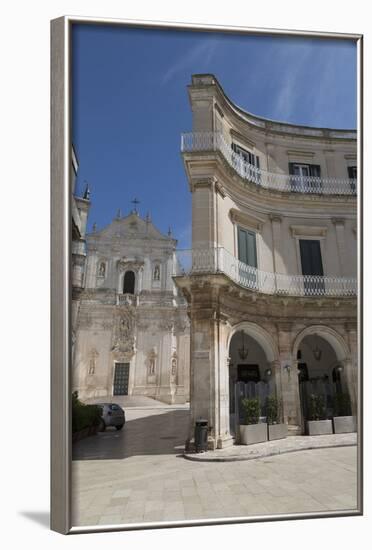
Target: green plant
{"points": [[251, 407], [317, 409], [342, 404], [83, 416], [273, 409]]}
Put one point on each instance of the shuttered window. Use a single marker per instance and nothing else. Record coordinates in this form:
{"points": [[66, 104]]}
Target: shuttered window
{"points": [[311, 257], [299, 169], [247, 251], [247, 156], [311, 264]]}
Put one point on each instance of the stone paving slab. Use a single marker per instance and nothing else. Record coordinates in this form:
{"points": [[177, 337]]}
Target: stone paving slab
{"points": [[270, 448]]}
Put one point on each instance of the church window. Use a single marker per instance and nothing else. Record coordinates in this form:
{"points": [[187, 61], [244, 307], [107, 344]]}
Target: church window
{"points": [[129, 282]]}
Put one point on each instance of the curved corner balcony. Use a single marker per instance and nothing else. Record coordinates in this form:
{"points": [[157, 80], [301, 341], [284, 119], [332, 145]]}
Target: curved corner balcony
{"points": [[218, 260], [202, 142]]}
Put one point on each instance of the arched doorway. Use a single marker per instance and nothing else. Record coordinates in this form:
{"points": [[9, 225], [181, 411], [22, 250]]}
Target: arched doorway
{"points": [[322, 356], [252, 372]]}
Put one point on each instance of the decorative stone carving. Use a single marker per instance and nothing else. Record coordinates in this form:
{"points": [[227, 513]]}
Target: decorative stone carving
{"points": [[125, 264], [102, 269], [152, 362], [174, 363], [124, 340], [157, 273]]}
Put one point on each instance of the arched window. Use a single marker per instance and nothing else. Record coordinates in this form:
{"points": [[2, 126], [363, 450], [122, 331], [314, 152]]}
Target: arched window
{"points": [[129, 282]]}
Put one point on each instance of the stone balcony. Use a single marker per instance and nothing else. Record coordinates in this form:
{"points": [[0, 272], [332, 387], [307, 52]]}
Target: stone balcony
{"points": [[208, 142], [218, 260]]}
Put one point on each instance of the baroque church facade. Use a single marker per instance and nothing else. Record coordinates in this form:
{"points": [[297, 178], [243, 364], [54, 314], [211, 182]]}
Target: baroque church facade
{"points": [[131, 333]]}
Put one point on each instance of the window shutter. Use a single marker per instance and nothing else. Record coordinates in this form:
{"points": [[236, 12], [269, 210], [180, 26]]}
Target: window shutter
{"points": [[242, 246], [311, 258], [251, 249], [314, 170], [247, 247], [257, 161], [352, 171], [291, 169]]}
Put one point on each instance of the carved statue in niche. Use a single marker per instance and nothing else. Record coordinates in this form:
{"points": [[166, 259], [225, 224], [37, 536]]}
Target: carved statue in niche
{"points": [[92, 361], [152, 362], [102, 269], [157, 272], [174, 364]]}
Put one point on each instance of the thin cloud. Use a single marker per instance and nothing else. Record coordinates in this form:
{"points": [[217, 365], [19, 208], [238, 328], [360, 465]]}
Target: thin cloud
{"points": [[201, 53]]}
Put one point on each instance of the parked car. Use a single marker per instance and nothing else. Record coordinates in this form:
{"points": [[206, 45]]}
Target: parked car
{"points": [[111, 415]]}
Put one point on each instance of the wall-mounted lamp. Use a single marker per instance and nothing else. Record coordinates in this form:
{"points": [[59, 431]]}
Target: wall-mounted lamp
{"points": [[339, 369], [287, 368], [268, 373]]}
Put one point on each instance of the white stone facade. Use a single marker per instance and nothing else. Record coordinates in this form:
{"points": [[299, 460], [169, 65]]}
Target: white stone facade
{"points": [[274, 254], [132, 335]]}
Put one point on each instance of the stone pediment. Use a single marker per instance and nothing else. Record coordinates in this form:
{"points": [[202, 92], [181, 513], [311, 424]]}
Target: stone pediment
{"points": [[129, 228]]}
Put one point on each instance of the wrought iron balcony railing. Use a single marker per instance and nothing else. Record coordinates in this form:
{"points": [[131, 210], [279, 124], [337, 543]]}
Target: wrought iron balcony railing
{"points": [[213, 141], [219, 260]]}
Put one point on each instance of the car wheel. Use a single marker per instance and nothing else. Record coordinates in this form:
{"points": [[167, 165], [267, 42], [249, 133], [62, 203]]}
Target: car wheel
{"points": [[119, 427], [101, 426]]}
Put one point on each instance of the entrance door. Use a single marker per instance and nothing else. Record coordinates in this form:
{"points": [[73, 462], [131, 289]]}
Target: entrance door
{"points": [[248, 373], [121, 379]]}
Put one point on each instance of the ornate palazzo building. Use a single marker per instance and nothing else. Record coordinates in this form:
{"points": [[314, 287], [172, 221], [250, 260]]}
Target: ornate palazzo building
{"points": [[132, 331], [271, 277]]}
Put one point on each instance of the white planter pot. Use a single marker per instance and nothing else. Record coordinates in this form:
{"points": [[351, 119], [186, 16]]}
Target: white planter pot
{"points": [[277, 431], [319, 427], [253, 433], [344, 424]]}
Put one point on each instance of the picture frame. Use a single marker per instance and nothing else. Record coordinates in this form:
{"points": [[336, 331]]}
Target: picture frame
{"points": [[61, 292]]}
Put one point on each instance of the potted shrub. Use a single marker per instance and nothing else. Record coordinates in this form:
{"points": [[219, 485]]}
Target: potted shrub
{"points": [[343, 421], [317, 423], [252, 430], [275, 428]]}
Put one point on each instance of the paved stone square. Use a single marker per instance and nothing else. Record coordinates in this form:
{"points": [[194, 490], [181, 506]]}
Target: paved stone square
{"points": [[140, 475]]}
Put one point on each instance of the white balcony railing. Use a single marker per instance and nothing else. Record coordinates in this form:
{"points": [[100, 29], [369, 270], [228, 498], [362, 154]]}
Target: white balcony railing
{"points": [[219, 260], [212, 141]]}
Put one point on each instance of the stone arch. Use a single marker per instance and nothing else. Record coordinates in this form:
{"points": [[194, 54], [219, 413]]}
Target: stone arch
{"points": [[334, 339], [264, 339]]}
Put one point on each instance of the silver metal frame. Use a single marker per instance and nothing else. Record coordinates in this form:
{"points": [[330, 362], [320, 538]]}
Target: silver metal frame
{"points": [[61, 270]]}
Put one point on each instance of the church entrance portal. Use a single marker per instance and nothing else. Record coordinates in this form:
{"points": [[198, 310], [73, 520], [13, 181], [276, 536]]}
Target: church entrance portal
{"points": [[121, 379]]}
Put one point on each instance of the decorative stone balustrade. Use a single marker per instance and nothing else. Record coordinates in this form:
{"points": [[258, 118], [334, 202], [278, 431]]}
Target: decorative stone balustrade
{"points": [[212, 141], [219, 260]]}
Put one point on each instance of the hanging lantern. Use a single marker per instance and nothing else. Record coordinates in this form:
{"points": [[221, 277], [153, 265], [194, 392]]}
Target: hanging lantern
{"points": [[243, 352]]}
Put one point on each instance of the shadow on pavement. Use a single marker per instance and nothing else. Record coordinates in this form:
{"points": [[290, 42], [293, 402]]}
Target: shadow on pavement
{"points": [[151, 435]]}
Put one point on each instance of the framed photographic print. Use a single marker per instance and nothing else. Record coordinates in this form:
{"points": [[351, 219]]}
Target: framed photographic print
{"points": [[206, 286]]}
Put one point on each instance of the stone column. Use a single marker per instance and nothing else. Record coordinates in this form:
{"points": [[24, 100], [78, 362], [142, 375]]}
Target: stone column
{"points": [[351, 367], [209, 377], [289, 381], [278, 263]]}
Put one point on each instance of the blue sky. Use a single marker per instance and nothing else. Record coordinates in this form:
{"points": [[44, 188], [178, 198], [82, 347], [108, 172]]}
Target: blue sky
{"points": [[130, 106]]}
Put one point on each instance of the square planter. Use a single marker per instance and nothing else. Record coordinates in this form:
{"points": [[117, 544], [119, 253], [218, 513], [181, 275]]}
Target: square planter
{"points": [[277, 431], [344, 424], [253, 433], [319, 427]]}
